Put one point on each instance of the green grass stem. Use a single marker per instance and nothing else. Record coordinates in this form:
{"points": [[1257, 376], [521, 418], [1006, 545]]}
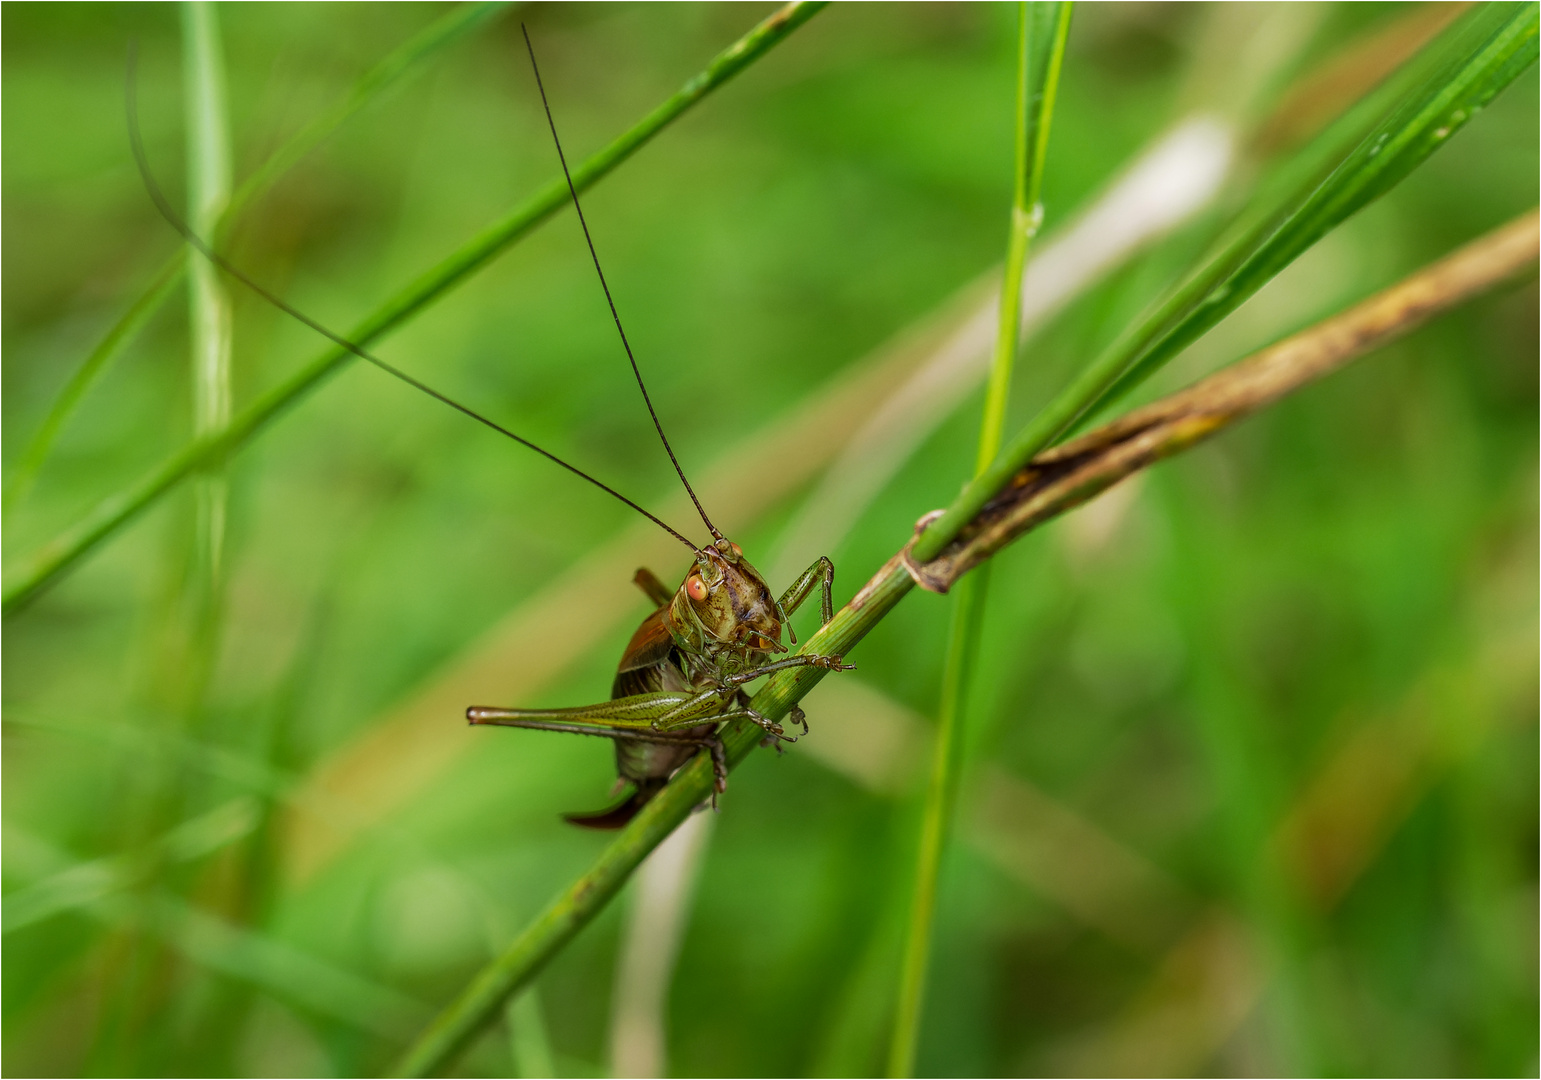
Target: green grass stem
{"points": [[45, 565], [1413, 116], [208, 193], [1043, 29]]}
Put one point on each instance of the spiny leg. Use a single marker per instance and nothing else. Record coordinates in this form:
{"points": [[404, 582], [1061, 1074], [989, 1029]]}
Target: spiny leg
{"points": [[623, 714], [571, 726], [741, 699], [708, 706], [607, 729], [828, 663], [771, 728], [719, 754], [822, 573]]}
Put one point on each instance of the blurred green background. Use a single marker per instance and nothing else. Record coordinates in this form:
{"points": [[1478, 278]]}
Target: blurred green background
{"points": [[1254, 782]]}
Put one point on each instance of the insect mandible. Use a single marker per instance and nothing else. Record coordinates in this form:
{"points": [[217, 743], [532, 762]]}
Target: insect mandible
{"points": [[682, 676]]}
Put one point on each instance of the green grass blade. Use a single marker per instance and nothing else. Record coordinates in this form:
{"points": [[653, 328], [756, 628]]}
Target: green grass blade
{"points": [[95, 364], [1044, 28], [377, 79], [45, 565], [1414, 115], [401, 61], [936, 818]]}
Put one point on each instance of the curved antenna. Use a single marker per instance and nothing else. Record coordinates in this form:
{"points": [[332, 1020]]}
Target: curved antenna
{"points": [[606, 286], [163, 205]]}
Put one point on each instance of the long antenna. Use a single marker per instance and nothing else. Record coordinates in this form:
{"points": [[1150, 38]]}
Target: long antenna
{"points": [[166, 211], [606, 286]]}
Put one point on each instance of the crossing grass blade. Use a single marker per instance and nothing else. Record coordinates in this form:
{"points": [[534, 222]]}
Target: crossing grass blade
{"points": [[1350, 165], [369, 87], [56, 557]]}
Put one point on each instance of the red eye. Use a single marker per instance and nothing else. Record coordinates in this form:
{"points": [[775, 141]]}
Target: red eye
{"points": [[696, 588], [738, 552]]}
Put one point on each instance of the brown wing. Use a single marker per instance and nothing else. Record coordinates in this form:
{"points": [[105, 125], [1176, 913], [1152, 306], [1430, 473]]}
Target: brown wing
{"points": [[649, 645], [641, 665]]}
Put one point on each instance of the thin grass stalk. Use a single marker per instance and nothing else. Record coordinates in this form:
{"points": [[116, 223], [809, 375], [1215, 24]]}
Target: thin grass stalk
{"points": [[369, 86], [1042, 32], [46, 564], [1350, 165], [208, 193], [187, 649], [1308, 356]]}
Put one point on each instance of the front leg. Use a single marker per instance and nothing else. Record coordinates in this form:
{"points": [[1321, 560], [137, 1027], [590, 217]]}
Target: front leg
{"points": [[822, 572], [772, 729], [828, 663], [712, 706]]}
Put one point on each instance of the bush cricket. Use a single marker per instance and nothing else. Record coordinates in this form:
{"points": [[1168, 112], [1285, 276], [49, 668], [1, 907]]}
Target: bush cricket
{"points": [[683, 673]]}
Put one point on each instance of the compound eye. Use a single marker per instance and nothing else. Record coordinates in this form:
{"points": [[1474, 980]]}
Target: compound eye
{"points": [[696, 588], [738, 552]]}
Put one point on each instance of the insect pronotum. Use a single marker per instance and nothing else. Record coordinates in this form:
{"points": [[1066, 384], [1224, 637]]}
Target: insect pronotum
{"points": [[683, 674]]}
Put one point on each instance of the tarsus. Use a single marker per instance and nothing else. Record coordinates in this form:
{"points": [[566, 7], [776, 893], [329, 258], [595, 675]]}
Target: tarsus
{"points": [[606, 286], [164, 206]]}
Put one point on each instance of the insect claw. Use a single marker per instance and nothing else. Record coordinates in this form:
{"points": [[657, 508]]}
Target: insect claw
{"points": [[799, 717], [719, 768]]}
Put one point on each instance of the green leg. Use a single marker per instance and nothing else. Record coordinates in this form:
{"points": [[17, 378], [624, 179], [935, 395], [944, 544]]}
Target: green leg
{"points": [[772, 729], [628, 717], [610, 722], [619, 717], [822, 572], [712, 706], [828, 663]]}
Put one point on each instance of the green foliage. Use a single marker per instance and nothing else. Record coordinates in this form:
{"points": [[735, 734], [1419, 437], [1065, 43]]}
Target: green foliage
{"points": [[1315, 637]]}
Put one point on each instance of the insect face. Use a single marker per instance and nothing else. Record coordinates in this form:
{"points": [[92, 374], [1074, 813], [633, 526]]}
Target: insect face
{"points": [[730, 601]]}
